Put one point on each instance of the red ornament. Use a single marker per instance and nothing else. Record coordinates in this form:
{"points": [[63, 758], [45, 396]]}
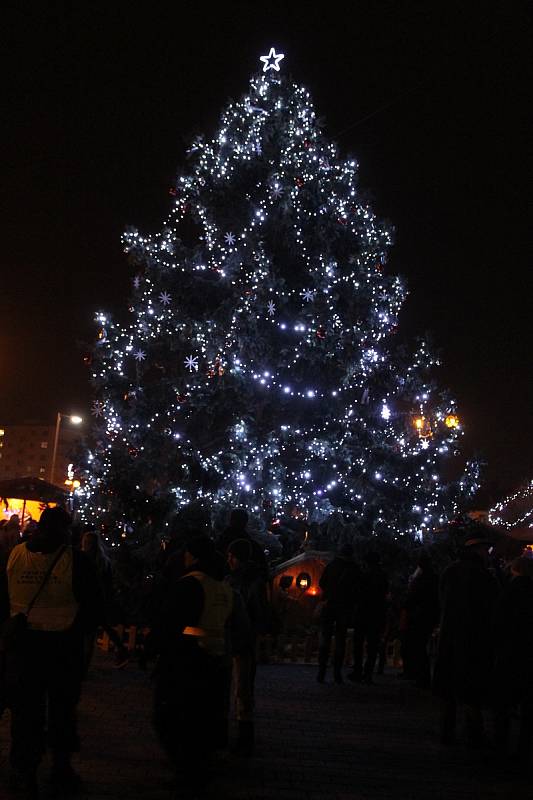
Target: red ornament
{"points": [[181, 398], [299, 182], [217, 370], [307, 144], [321, 332], [172, 192]]}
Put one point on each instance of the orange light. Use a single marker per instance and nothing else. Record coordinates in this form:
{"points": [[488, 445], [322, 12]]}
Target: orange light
{"points": [[452, 421], [423, 427]]}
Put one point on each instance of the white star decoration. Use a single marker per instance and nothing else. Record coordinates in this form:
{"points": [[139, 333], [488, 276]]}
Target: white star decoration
{"points": [[308, 295], [230, 238], [136, 281], [98, 408], [140, 355], [165, 298], [191, 362], [271, 307], [271, 61]]}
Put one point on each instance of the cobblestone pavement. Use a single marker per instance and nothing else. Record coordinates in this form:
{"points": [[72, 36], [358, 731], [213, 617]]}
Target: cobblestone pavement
{"points": [[314, 742]]}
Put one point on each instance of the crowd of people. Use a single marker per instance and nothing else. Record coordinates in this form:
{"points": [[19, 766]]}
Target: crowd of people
{"points": [[480, 616], [210, 603]]}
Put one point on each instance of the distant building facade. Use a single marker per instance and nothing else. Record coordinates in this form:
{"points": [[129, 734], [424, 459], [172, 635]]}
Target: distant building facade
{"points": [[27, 450]]}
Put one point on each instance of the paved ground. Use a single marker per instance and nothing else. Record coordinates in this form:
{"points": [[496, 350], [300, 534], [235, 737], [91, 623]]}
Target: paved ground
{"points": [[315, 742]]}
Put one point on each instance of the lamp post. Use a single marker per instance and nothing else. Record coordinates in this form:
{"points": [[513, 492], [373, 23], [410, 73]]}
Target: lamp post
{"points": [[75, 420]]}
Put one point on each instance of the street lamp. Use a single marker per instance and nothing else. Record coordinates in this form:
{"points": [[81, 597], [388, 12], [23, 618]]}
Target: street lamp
{"points": [[75, 420]]}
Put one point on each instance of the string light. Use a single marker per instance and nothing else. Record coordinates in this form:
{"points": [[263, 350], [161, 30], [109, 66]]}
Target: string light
{"points": [[523, 496]]}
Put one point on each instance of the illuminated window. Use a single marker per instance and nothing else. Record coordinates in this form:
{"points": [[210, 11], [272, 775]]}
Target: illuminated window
{"points": [[42, 469], [304, 581], [44, 445], [2, 432]]}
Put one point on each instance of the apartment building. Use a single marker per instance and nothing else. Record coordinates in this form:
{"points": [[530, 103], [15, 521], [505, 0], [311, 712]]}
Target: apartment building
{"points": [[27, 451]]}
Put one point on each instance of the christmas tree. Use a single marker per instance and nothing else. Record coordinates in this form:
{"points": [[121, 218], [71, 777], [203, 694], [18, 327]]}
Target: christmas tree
{"points": [[259, 367]]}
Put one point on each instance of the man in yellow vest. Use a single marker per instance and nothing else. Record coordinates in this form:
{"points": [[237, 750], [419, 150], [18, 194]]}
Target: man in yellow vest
{"points": [[48, 658], [198, 620]]}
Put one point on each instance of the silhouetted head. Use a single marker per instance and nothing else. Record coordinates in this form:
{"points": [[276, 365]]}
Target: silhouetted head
{"points": [[198, 550], [53, 527], [239, 552]]}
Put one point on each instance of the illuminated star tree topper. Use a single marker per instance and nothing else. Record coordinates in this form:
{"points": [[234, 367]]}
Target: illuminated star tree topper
{"points": [[271, 61]]}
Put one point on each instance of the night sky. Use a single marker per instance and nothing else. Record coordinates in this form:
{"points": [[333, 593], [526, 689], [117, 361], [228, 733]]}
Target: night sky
{"points": [[101, 102]]}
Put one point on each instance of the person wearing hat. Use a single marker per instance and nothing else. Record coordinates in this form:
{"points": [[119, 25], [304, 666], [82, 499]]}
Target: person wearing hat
{"points": [[56, 588], [463, 667], [192, 637]]}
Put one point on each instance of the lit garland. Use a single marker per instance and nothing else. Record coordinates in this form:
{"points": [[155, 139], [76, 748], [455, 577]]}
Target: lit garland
{"points": [[256, 369], [522, 496]]}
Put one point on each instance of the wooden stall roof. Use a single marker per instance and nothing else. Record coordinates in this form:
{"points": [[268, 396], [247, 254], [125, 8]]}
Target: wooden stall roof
{"points": [[307, 555]]}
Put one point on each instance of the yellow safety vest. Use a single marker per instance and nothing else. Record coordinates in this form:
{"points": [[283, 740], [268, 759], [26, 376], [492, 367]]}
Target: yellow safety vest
{"points": [[56, 606], [218, 603]]}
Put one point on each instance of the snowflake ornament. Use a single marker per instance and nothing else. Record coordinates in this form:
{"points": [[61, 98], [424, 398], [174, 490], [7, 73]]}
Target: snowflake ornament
{"points": [[308, 295], [271, 61], [230, 238], [165, 298], [191, 362], [140, 355], [136, 281], [271, 307], [277, 191], [97, 409]]}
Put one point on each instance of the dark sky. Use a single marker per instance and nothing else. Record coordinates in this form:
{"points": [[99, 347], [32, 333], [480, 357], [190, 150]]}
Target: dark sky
{"points": [[431, 98]]}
